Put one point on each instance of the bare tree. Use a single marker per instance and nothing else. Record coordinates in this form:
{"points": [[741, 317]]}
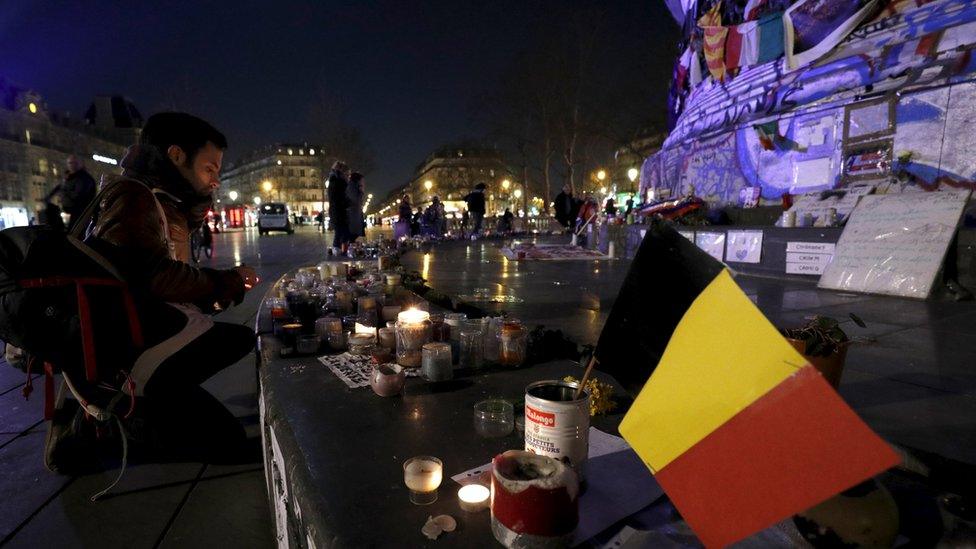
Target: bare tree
{"points": [[339, 139]]}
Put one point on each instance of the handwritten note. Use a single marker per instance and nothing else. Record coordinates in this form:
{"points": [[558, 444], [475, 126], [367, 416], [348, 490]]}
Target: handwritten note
{"points": [[744, 246], [894, 244]]}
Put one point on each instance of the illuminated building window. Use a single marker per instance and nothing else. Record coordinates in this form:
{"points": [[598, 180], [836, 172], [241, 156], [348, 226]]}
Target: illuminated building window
{"points": [[279, 162], [311, 152], [301, 152], [290, 152]]}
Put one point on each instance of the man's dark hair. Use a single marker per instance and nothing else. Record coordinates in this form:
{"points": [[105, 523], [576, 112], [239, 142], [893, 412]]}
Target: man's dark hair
{"points": [[481, 186], [186, 131], [354, 177]]}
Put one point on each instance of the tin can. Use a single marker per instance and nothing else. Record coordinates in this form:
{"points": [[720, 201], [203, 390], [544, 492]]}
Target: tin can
{"points": [[556, 424]]}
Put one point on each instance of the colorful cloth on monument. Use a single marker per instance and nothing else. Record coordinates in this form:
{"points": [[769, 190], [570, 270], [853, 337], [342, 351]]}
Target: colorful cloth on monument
{"points": [[896, 7], [673, 209], [714, 41], [814, 27]]}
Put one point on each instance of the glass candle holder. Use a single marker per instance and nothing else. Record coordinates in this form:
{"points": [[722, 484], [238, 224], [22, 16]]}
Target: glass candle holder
{"points": [[492, 334], [472, 342], [386, 338], [422, 475], [360, 344], [308, 344], [412, 332], [390, 312], [289, 338], [453, 322], [494, 418], [512, 341], [437, 362]]}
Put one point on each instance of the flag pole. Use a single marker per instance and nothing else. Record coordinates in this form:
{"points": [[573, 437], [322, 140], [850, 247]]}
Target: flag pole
{"points": [[586, 375]]}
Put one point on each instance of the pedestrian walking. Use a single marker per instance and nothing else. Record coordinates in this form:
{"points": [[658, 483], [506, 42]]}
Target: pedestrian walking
{"points": [[338, 218], [566, 207], [355, 192], [76, 191], [476, 205]]}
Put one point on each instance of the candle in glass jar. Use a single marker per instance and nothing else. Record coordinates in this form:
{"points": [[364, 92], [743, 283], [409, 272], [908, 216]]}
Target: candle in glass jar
{"points": [[390, 312], [387, 338], [412, 331], [422, 475]]}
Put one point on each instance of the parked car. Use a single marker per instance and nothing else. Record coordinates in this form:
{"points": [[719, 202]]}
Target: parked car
{"points": [[273, 216]]}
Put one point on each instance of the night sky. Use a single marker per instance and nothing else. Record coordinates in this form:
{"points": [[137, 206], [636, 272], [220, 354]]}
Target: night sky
{"points": [[408, 73]]}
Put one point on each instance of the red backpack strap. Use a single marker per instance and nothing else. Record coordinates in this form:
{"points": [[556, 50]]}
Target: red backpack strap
{"points": [[48, 391]]}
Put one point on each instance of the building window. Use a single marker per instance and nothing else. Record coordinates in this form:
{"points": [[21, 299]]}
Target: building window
{"points": [[311, 152], [42, 166], [291, 171], [301, 152], [279, 162], [301, 173], [290, 152]]}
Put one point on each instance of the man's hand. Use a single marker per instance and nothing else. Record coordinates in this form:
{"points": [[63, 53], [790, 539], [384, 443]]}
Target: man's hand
{"points": [[248, 275]]}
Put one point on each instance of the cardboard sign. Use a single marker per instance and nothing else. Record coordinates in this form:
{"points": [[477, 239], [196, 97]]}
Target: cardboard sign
{"points": [[711, 243], [894, 244]]}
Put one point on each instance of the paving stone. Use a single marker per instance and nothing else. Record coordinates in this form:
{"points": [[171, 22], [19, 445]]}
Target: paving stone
{"points": [[228, 511], [25, 484], [18, 414], [134, 516]]}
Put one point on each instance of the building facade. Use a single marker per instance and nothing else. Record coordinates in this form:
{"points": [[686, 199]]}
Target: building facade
{"points": [[290, 173], [35, 143], [450, 173]]}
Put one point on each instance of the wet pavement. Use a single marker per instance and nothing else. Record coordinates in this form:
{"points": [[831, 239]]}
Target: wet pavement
{"points": [[911, 376]]}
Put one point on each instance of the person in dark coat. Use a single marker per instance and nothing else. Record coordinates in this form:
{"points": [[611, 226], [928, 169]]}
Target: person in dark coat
{"points": [[338, 218], [355, 192], [566, 207], [476, 206], [76, 191], [610, 208]]}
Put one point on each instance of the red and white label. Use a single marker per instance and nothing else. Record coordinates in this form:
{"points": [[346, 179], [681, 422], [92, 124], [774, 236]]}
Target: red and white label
{"points": [[545, 419]]}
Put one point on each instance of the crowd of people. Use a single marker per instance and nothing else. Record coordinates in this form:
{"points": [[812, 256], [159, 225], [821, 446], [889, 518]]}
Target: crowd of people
{"points": [[433, 222], [574, 214]]}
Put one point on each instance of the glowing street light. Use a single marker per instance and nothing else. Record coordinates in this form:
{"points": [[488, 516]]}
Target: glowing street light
{"points": [[32, 107], [601, 175], [257, 200], [267, 186], [632, 174], [428, 184], [233, 195], [518, 193], [603, 190], [506, 184]]}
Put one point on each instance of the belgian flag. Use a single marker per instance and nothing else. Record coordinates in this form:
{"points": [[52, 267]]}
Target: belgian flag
{"points": [[736, 427]]}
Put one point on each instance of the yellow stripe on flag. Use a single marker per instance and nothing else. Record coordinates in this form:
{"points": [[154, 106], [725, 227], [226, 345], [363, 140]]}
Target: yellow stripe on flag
{"points": [[723, 355]]}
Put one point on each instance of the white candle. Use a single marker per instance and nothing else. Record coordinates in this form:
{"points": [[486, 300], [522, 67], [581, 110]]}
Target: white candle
{"points": [[423, 475], [473, 497], [413, 316]]}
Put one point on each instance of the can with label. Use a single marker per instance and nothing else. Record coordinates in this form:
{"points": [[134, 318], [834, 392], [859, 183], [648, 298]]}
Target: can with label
{"points": [[556, 424]]}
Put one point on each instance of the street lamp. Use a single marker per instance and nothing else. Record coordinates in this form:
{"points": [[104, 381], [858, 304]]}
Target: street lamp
{"points": [[233, 195], [428, 185], [257, 200], [601, 175], [267, 186], [603, 190], [632, 174], [506, 184]]}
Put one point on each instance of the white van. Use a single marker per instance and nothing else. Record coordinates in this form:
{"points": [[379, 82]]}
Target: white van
{"points": [[273, 216]]}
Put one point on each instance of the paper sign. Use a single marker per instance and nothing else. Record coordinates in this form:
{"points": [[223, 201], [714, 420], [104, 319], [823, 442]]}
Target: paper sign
{"points": [[711, 243], [690, 235], [811, 247], [744, 246], [894, 244]]}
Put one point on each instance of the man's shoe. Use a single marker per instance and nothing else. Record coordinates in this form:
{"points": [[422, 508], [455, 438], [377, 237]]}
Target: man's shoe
{"points": [[70, 446]]}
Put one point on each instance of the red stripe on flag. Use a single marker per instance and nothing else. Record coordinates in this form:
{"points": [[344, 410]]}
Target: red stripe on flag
{"points": [[733, 49], [791, 449]]}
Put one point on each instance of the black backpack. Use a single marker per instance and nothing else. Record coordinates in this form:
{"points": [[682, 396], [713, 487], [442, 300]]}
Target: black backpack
{"points": [[69, 310]]}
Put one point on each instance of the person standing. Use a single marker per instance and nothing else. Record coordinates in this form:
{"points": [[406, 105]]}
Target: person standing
{"points": [[76, 191], [565, 203], [476, 206], [338, 218], [610, 208], [355, 192]]}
